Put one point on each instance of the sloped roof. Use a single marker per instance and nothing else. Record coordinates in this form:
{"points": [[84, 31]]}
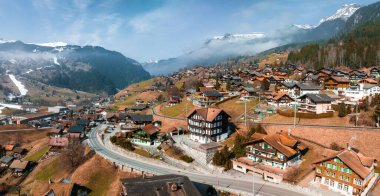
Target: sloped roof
{"points": [[309, 87], [19, 164], [142, 117], [340, 79], [76, 129], [207, 114], [281, 94], [359, 163], [59, 141], [151, 129], [282, 142], [318, 98], [160, 185], [212, 93]]}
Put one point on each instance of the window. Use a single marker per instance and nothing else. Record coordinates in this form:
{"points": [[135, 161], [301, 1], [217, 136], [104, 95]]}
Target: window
{"points": [[333, 175], [318, 170], [345, 188], [327, 173], [332, 183], [347, 179], [340, 186], [326, 181], [357, 182], [340, 177], [334, 167]]}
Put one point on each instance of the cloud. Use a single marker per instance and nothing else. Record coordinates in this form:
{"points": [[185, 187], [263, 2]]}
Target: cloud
{"points": [[150, 21]]}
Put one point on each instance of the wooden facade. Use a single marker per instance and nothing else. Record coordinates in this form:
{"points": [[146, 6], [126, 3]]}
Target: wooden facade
{"points": [[208, 125]]}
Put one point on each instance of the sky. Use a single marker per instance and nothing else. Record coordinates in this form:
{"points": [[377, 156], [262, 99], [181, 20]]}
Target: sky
{"points": [[153, 29]]}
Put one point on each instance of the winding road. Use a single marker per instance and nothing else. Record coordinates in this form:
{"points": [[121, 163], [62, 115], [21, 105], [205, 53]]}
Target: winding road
{"points": [[228, 182]]}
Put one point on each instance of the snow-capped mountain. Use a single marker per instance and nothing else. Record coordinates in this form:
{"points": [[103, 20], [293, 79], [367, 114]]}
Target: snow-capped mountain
{"points": [[304, 26], [85, 68], [51, 44], [236, 37], [343, 13], [218, 48], [2, 41]]}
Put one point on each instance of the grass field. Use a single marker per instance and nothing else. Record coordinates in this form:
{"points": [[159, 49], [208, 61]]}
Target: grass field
{"points": [[49, 171], [146, 96], [178, 110], [235, 108], [142, 152], [141, 85], [36, 156], [96, 174]]}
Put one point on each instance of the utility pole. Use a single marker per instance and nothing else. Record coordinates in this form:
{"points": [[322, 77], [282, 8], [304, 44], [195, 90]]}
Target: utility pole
{"points": [[295, 113], [245, 114], [356, 113]]}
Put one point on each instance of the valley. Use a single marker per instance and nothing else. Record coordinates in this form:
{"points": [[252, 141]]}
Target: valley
{"points": [[249, 98]]}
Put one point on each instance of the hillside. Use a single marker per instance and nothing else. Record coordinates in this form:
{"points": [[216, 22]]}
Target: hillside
{"points": [[223, 48], [88, 68], [356, 46]]}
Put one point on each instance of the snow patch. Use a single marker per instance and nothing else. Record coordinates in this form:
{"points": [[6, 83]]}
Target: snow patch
{"points": [[13, 61], [304, 26], [51, 44], [2, 41], [344, 12], [18, 84], [60, 49], [56, 61], [30, 70], [239, 37]]}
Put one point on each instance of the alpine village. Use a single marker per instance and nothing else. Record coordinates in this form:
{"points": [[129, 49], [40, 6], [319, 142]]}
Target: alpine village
{"points": [[298, 119]]}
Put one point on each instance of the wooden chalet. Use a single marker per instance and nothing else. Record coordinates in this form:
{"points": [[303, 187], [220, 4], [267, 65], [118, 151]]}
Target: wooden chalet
{"points": [[348, 171]]}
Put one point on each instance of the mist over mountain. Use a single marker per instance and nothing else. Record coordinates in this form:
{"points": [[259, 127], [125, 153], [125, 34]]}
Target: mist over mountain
{"points": [[226, 46], [85, 68]]}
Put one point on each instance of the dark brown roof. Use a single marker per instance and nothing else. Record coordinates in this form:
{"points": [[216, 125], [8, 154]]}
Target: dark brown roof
{"points": [[282, 142], [160, 185], [19, 164], [208, 114], [151, 129]]}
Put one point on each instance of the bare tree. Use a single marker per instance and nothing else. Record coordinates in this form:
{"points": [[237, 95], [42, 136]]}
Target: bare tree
{"points": [[292, 173], [74, 152]]}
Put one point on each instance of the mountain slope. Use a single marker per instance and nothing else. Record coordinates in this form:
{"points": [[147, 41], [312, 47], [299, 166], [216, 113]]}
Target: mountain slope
{"points": [[220, 48], [356, 46], [88, 68]]}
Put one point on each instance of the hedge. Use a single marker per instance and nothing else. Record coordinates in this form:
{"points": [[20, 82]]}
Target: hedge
{"points": [[290, 113], [186, 158]]}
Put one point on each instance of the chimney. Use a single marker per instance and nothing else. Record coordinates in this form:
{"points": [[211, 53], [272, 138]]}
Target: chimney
{"points": [[348, 146]]}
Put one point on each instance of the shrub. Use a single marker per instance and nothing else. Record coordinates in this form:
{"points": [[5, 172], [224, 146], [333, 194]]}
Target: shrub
{"points": [[342, 110], [186, 158], [113, 139]]}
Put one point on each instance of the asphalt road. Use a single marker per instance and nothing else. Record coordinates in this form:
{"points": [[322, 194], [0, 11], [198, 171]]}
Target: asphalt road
{"points": [[229, 182]]}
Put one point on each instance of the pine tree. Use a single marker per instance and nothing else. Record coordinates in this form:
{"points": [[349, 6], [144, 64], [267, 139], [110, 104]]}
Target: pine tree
{"points": [[228, 86], [348, 109], [376, 113], [342, 110], [217, 85], [238, 148], [265, 85]]}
